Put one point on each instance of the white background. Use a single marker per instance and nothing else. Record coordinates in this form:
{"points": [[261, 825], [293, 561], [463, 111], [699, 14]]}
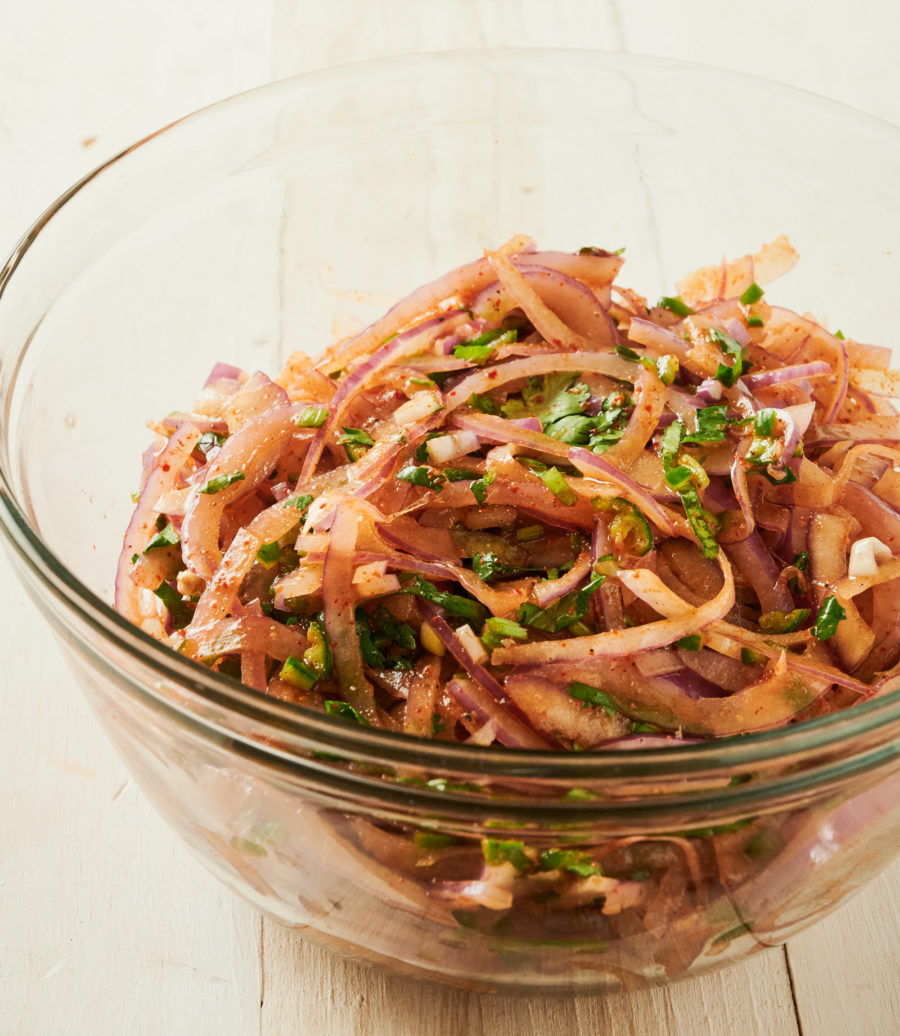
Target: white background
{"points": [[106, 924]]}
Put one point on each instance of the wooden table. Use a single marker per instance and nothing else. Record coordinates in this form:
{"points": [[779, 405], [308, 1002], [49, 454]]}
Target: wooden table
{"points": [[107, 925]]}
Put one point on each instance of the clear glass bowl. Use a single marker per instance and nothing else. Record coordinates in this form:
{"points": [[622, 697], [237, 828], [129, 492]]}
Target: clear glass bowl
{"points": [[270, 222]]}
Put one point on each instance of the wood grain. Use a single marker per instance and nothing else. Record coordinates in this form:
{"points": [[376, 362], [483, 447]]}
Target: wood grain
{"points": [[314, 991]]}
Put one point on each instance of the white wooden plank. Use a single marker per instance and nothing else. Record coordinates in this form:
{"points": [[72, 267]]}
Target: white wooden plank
{"points": [[314, 991], [846, 970], [108, 924]]}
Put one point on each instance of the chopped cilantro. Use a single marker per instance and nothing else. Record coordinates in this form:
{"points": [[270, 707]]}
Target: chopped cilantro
{"points": [[464, 607], [425, 477], [208, 442], [344, 710], [667, 368], [593, 696], [480, 486], [268, 554], [166, 537], [299, 503], [486, 565], [549, 397], [483, 403], [174, 603], [730, 347], [801, 561], [567, 611], [458, 474], [830, 614], [216, 485], [479, 349], [711, 424]]}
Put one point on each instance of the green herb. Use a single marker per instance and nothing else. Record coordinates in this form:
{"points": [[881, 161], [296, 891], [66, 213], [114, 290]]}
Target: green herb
{"points": [[229, 667], [312, 417], [628, 354], [637, 727], [458, 474], [555, 481], [830, 614], [528, 533], [753, 294], [479, 349], [675, 304], [611, 421], [629, 529], [764, 423], [438, 726], [549, 397], [579, 863], [371, 655], [355, 441], [692, 642], [486, 565], [839, 334], [421, 451], [344, 710], [174, 603], [576, 430], [497, 630], [801, 561], [711, 425], [464, 607], [480, 487], [787, 476], [754, 320], [783, 622], [670, 443], [593, 696], [299, 503], [425, 477], [166, 537], [751, 657], [484, 404], [568, 611], [496, 852], [667, 368], [725, 374], [579, 795], [210, 441], [268, 554], [298, 674], [216, 485]]}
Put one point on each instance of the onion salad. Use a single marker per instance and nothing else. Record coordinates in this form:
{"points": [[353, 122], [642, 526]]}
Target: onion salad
{"points": [[526, 508]]}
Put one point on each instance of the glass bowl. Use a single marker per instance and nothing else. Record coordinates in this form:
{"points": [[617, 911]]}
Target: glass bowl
{"points": [[273, 221]]}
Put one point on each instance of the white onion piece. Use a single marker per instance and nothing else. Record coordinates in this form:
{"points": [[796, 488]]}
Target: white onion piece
{"points": [[472, 644], [448, 447], [417, 408], [863, 557]]}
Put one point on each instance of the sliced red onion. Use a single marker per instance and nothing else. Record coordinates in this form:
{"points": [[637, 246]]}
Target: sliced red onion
{"points": [[566, 298], [783, 375], [546, 591], [758, 569], [511, 731], [223, 371]]}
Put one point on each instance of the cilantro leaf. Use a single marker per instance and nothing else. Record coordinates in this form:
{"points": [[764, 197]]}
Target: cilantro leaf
{"points": [[549, 397], [464, 607]]}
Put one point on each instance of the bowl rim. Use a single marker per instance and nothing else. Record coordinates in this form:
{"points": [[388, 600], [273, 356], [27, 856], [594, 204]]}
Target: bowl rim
{"points": [[281, 718]]}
